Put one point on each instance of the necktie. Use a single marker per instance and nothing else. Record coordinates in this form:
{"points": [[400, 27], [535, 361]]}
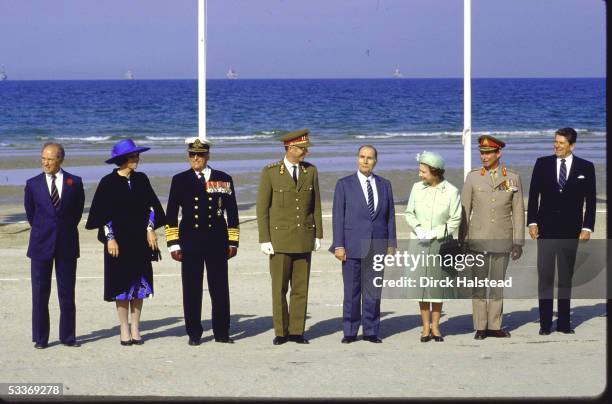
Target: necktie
{"points": [[493, 172], [202, 179], [562, 175], [295, 173], [370, 198], [54, 194]]}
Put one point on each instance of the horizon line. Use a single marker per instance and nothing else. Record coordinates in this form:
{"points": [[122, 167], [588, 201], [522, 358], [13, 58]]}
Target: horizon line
{"points": [[322, 78]]}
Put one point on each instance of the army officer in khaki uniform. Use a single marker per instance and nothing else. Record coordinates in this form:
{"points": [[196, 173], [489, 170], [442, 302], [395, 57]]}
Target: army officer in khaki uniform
{"points": [[290, 228], [494, 225]]}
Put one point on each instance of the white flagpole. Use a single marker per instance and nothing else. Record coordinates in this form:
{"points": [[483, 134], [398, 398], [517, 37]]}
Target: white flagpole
{"points": [[202, 69], [467, 87]]}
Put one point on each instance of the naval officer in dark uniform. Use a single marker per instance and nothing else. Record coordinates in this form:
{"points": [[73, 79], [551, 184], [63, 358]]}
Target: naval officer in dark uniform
{"points": [[290, 228], [203, 237]]}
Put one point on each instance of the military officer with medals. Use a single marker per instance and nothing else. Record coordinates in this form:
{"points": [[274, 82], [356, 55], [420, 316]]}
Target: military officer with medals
{"points": [[494, 225], [203, 237], [290, 228]]}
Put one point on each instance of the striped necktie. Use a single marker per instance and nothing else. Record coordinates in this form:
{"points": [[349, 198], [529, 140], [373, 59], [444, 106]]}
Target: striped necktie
{"points": [[54, 194], [370, 198], [562, 175]]}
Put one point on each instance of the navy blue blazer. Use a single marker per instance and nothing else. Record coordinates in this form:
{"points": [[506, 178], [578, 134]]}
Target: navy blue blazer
{"points": [[562, 214], [353, 227], [54, 232]]}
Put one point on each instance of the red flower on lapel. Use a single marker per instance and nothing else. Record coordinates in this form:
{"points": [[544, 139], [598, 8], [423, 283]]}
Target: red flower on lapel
{"points": [[69, 182]]}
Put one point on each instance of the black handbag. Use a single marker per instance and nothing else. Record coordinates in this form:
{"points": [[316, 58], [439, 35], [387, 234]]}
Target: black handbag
{"points": [[156, 255], [449, 246]]}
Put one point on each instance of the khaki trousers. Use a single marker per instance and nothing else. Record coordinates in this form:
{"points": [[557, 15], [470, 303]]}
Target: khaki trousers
{"points": [[289, 269], [488, 313]]}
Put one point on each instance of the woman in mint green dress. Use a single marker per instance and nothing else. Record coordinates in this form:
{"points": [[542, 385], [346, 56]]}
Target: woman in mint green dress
{"points": [[433, 210]]}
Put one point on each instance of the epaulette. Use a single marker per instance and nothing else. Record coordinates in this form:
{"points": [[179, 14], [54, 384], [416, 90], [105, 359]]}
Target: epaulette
{"points": [[482, 170], [504, 171], [275, 164]]}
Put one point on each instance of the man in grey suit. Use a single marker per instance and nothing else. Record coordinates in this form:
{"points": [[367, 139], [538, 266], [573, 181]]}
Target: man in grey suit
{"points": [[494, 225], [363, 225]]}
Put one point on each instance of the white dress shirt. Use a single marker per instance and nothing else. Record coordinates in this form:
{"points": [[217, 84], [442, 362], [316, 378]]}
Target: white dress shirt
{"points": [[364, 187], [59, 182], [289, 168], [206, 171]]}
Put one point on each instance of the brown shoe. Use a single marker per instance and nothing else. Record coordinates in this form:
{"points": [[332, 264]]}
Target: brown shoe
{"points": [[480, 334], [498, 333]]}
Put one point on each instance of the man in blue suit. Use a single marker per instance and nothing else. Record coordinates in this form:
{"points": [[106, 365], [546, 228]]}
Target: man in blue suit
{"points": [[560, 211], [53, 203], [363, 225]]}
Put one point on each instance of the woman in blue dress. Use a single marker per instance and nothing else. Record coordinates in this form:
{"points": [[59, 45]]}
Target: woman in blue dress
{"points": [[126, 212]]}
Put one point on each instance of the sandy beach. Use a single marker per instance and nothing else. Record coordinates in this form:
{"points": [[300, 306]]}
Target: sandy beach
{"points": [[526, 365]]}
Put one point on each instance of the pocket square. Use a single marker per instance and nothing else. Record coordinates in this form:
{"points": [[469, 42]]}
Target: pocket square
{"points": [[581, 177]]}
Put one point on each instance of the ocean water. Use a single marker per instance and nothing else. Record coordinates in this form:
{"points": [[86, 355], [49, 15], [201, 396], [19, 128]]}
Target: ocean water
{"points": [[95, 114]]}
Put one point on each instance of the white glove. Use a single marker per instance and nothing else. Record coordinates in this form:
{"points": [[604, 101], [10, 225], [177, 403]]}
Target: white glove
{"points": [[420, 233], [430, 235], [266, 248], [317, 245]]}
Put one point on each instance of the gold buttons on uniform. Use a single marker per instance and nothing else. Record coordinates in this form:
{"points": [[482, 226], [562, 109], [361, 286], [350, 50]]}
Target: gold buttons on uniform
{"points": [[209, 216], [196, 198], [210, 225], [196, 216], [298, 225], [209, 198], [210, 207], [297, 207], [492, 199], [195, 225], [298, 216], [297, 199], [195, 207]]}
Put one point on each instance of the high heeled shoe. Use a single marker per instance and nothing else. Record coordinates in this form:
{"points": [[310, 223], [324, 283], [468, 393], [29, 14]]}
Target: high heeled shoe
{"points": [[426, 338], [125, 343]]}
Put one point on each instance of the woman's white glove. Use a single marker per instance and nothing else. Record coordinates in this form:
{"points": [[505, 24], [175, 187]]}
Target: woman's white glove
{"points": [[266, 248], [420, 233], [317, 245]]}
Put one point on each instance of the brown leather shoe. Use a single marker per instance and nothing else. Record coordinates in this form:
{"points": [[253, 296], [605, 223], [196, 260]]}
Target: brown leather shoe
{"points": [[498, 333], [480, 334]]}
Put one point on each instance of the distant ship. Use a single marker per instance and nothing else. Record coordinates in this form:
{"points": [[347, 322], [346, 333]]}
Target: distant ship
{"points": [[231, 74], [3, 75], [397, 74], [129, 75]]}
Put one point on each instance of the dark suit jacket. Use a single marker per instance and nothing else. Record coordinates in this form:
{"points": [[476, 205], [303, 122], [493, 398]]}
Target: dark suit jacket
{"points": [[354, 228], [54, 232], [562, 214]]}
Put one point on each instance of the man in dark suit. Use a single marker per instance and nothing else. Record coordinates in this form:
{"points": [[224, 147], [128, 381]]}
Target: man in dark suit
{"points": [[203, 237], [53, 203], [561, 211], [363, 225]]}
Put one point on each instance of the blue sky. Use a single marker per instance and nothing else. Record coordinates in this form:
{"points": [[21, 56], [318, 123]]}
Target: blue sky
{"points": [[90, 39]]}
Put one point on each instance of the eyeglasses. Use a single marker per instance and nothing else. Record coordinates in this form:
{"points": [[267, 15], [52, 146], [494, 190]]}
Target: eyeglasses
{"points": [[198, 154]]}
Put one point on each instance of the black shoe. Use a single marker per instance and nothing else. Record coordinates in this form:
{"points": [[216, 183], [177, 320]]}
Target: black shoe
{"points": [[426, 338], [73, 344], [194, 342], [126, 343], [498, 333], [137, 341], [438, 338], [226, 340], [298, 339], [544, 331], [480, 334], [41, 345], [348, 340], [372, 338], [566, 330], [279, 340]]}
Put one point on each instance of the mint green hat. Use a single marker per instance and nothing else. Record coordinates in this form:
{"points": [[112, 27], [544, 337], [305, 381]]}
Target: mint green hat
{"points": [[431, 159]]}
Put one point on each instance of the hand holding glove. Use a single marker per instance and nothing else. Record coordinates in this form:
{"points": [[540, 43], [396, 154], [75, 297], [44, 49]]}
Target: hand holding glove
{"points": [[267, 249], [420, 233]]}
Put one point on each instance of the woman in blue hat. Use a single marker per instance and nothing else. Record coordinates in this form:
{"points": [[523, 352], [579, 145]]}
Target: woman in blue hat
{"points": [[126, 212], [433, 212]]}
